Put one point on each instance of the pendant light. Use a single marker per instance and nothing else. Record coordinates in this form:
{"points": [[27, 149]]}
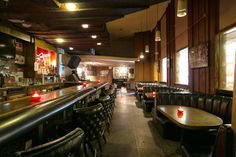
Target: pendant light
{"points": [[146, 45], [146, 48], [141, 53], [181, 8], [157, 32], [157, 35]]}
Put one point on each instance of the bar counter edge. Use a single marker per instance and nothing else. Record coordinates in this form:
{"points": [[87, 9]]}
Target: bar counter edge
{"points": [[19, 124]]}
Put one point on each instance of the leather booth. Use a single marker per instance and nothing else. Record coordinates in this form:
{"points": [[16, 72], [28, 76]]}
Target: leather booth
{"points": [[220, 106]]}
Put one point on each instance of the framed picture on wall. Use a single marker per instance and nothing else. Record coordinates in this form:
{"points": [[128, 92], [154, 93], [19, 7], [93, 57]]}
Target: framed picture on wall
{"points": [[198, 56]]}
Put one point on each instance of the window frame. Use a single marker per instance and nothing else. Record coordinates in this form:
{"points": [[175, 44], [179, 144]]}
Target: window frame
{"points": [[175, 79], [161, 79], [220, 48]]}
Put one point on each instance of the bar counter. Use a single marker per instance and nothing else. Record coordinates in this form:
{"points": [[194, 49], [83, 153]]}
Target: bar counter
{"points": [[18, 116]]}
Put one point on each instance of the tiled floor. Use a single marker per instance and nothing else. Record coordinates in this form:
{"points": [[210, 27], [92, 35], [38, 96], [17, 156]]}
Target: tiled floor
{"points": [[132, 133]]}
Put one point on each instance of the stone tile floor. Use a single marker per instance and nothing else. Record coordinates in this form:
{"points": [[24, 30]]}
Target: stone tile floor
{"points": [[133, 134]]}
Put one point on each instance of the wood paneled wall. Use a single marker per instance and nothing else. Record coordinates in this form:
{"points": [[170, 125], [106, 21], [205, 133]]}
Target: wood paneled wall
{"points": [[203, 25], [144, 70], [203, 18], [170, 42]]}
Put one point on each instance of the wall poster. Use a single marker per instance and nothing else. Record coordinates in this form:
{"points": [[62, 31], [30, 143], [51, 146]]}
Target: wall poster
{"points": [[198, 56]]}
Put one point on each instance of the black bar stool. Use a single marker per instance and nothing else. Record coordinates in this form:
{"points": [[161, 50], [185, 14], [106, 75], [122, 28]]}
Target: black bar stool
{"points": [[92, 121], [71, 143]]}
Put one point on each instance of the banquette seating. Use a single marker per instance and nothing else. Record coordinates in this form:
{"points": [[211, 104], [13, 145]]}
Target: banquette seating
{"points": [[149, 103], [218, 105], [223, 146]]}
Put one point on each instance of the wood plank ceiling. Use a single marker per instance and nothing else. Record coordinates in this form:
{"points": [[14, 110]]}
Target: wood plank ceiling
{"points": [[46, 20]]}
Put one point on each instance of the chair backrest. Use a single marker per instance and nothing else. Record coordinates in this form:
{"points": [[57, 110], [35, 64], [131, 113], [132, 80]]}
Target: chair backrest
{"points": [[224, 106], [208, 103], [224, 142], [216, 106], [91, 120], [70, 143]]}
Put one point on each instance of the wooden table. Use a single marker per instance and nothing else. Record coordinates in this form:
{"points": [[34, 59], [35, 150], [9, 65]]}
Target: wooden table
{"points": [[191, 118]]}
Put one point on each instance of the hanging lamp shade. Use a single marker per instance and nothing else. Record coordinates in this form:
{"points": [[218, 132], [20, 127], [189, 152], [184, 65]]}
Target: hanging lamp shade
{"points": [[146, 48], [141, 55], [181, 8], [157, 35]]}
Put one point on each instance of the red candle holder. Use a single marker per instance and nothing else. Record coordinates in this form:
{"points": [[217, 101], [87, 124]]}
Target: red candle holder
{"points": [[99, 81], [153, 94], [84, 85], [180, 114], [180, 109], [36, 96]]}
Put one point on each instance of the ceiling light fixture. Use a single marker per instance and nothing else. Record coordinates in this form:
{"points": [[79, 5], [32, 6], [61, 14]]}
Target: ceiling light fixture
{"points": [[99, 44], [146, 48], [71, 48], [181, 8], [16, 20], [94, 36], [147, 44], [157, 32], [60, 40], [141, 55], [85, 26], [71, 6], [26, 25], [157, 35]]}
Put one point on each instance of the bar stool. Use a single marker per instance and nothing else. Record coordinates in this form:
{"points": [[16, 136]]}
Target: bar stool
{"points": [[108, 109], [92, 121], [71, 143]]}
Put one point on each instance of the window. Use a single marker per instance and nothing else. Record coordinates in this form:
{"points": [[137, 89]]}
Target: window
{"points": [[164, 70], [181, 64], [227, 58]]}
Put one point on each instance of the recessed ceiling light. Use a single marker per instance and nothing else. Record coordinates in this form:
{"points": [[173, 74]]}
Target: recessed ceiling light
{"points": [[94, 36], [99, 44], [71, 48], [26, 25], [60, 40], [2, 45], [85, 26], [16, 20], [71, 6]]}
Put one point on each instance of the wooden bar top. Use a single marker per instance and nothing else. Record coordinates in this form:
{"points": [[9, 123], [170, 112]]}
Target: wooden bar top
{"points": [[17, 105], [14, 123], [190, 118]]}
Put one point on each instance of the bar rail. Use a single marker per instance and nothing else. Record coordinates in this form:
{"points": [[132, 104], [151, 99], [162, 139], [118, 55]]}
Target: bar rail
{"points": [[19, 124]]}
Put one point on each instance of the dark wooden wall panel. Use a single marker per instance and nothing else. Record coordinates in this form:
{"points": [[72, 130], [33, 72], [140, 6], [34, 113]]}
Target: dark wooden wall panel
{"points": [[170, 27], [203, 27], [143, 71]]}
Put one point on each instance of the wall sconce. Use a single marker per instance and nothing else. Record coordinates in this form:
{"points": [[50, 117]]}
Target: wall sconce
{"points": [[181, 8], [157, 35], [146, 48]]}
